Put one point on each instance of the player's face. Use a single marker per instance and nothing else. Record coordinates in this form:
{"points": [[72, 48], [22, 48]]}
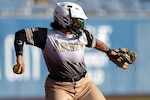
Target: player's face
{"points": [[78, 23]]}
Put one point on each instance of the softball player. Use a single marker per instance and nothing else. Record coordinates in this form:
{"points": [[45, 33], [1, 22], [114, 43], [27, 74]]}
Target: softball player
{"points": [[63, 50]]}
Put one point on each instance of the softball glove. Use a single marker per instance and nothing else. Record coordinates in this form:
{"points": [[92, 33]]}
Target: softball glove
{"points": [[124, 58]]}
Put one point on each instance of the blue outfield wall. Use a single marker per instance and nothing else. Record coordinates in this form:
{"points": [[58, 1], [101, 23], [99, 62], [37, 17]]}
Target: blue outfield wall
{"points": [[130, 33]]}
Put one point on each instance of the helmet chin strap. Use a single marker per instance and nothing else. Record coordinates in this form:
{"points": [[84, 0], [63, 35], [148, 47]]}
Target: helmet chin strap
{"points": [[75, 31]]}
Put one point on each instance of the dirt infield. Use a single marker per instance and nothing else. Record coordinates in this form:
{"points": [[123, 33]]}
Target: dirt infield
{"points": [[120, 97], [129, 97]]}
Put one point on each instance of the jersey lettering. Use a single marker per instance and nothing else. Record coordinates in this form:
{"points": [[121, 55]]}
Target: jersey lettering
{"points": [[67, 46]]}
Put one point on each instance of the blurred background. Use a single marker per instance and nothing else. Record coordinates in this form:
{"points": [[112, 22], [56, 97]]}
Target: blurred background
{"points": [[118, 23]]}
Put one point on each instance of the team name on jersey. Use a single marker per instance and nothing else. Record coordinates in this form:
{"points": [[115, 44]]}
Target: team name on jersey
{"points": [[68, 46]]}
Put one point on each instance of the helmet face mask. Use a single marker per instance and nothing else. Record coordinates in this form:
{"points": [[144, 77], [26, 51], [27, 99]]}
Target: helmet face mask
{"points": [[66, 12], [78, 23]]}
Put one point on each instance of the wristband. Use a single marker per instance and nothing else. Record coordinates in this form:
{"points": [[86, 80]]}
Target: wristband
{"points": [[108, 52]]}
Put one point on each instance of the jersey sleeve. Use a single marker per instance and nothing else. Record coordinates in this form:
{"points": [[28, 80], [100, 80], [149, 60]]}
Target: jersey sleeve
{"points": [[91, 40], [32, 36]]}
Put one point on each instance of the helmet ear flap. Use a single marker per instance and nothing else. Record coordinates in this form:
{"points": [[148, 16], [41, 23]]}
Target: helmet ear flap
{"points": [[62, 20]]}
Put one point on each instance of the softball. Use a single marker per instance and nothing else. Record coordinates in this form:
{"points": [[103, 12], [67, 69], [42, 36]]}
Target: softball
{"points": [[17, 69]]}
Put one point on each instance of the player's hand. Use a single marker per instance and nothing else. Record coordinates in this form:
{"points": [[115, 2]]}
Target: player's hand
{"points": [[113, 53], [20, 62]]}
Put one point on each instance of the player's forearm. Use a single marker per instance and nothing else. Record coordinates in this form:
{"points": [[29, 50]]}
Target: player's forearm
{"points": [[20, 38], [102, 46], [19, 58]]}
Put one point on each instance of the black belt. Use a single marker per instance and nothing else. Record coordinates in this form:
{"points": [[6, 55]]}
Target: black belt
{"points": [[74, 79]]}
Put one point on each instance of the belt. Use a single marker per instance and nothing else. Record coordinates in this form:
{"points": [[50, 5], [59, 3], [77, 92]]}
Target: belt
{"points": [[73, 79]]}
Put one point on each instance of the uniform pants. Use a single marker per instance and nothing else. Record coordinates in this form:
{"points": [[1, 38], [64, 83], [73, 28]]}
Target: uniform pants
{"points": [[84, 89]]}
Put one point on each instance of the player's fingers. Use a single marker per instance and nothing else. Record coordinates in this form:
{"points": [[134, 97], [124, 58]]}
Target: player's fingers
{"points": [[126, 65]]}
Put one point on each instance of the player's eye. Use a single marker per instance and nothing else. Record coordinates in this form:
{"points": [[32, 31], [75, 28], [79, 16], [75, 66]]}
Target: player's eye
{"points": [[79, 23]]}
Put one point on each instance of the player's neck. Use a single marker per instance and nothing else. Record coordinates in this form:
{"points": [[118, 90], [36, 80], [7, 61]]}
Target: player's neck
{"points": [[66, 31]]}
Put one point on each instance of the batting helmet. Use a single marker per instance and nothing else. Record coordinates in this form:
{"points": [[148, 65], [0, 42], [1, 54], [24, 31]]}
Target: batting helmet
{"points": [[65, 11]]}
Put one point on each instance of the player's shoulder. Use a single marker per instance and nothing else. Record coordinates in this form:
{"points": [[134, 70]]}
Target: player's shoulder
{"points": [[52, 31]]}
